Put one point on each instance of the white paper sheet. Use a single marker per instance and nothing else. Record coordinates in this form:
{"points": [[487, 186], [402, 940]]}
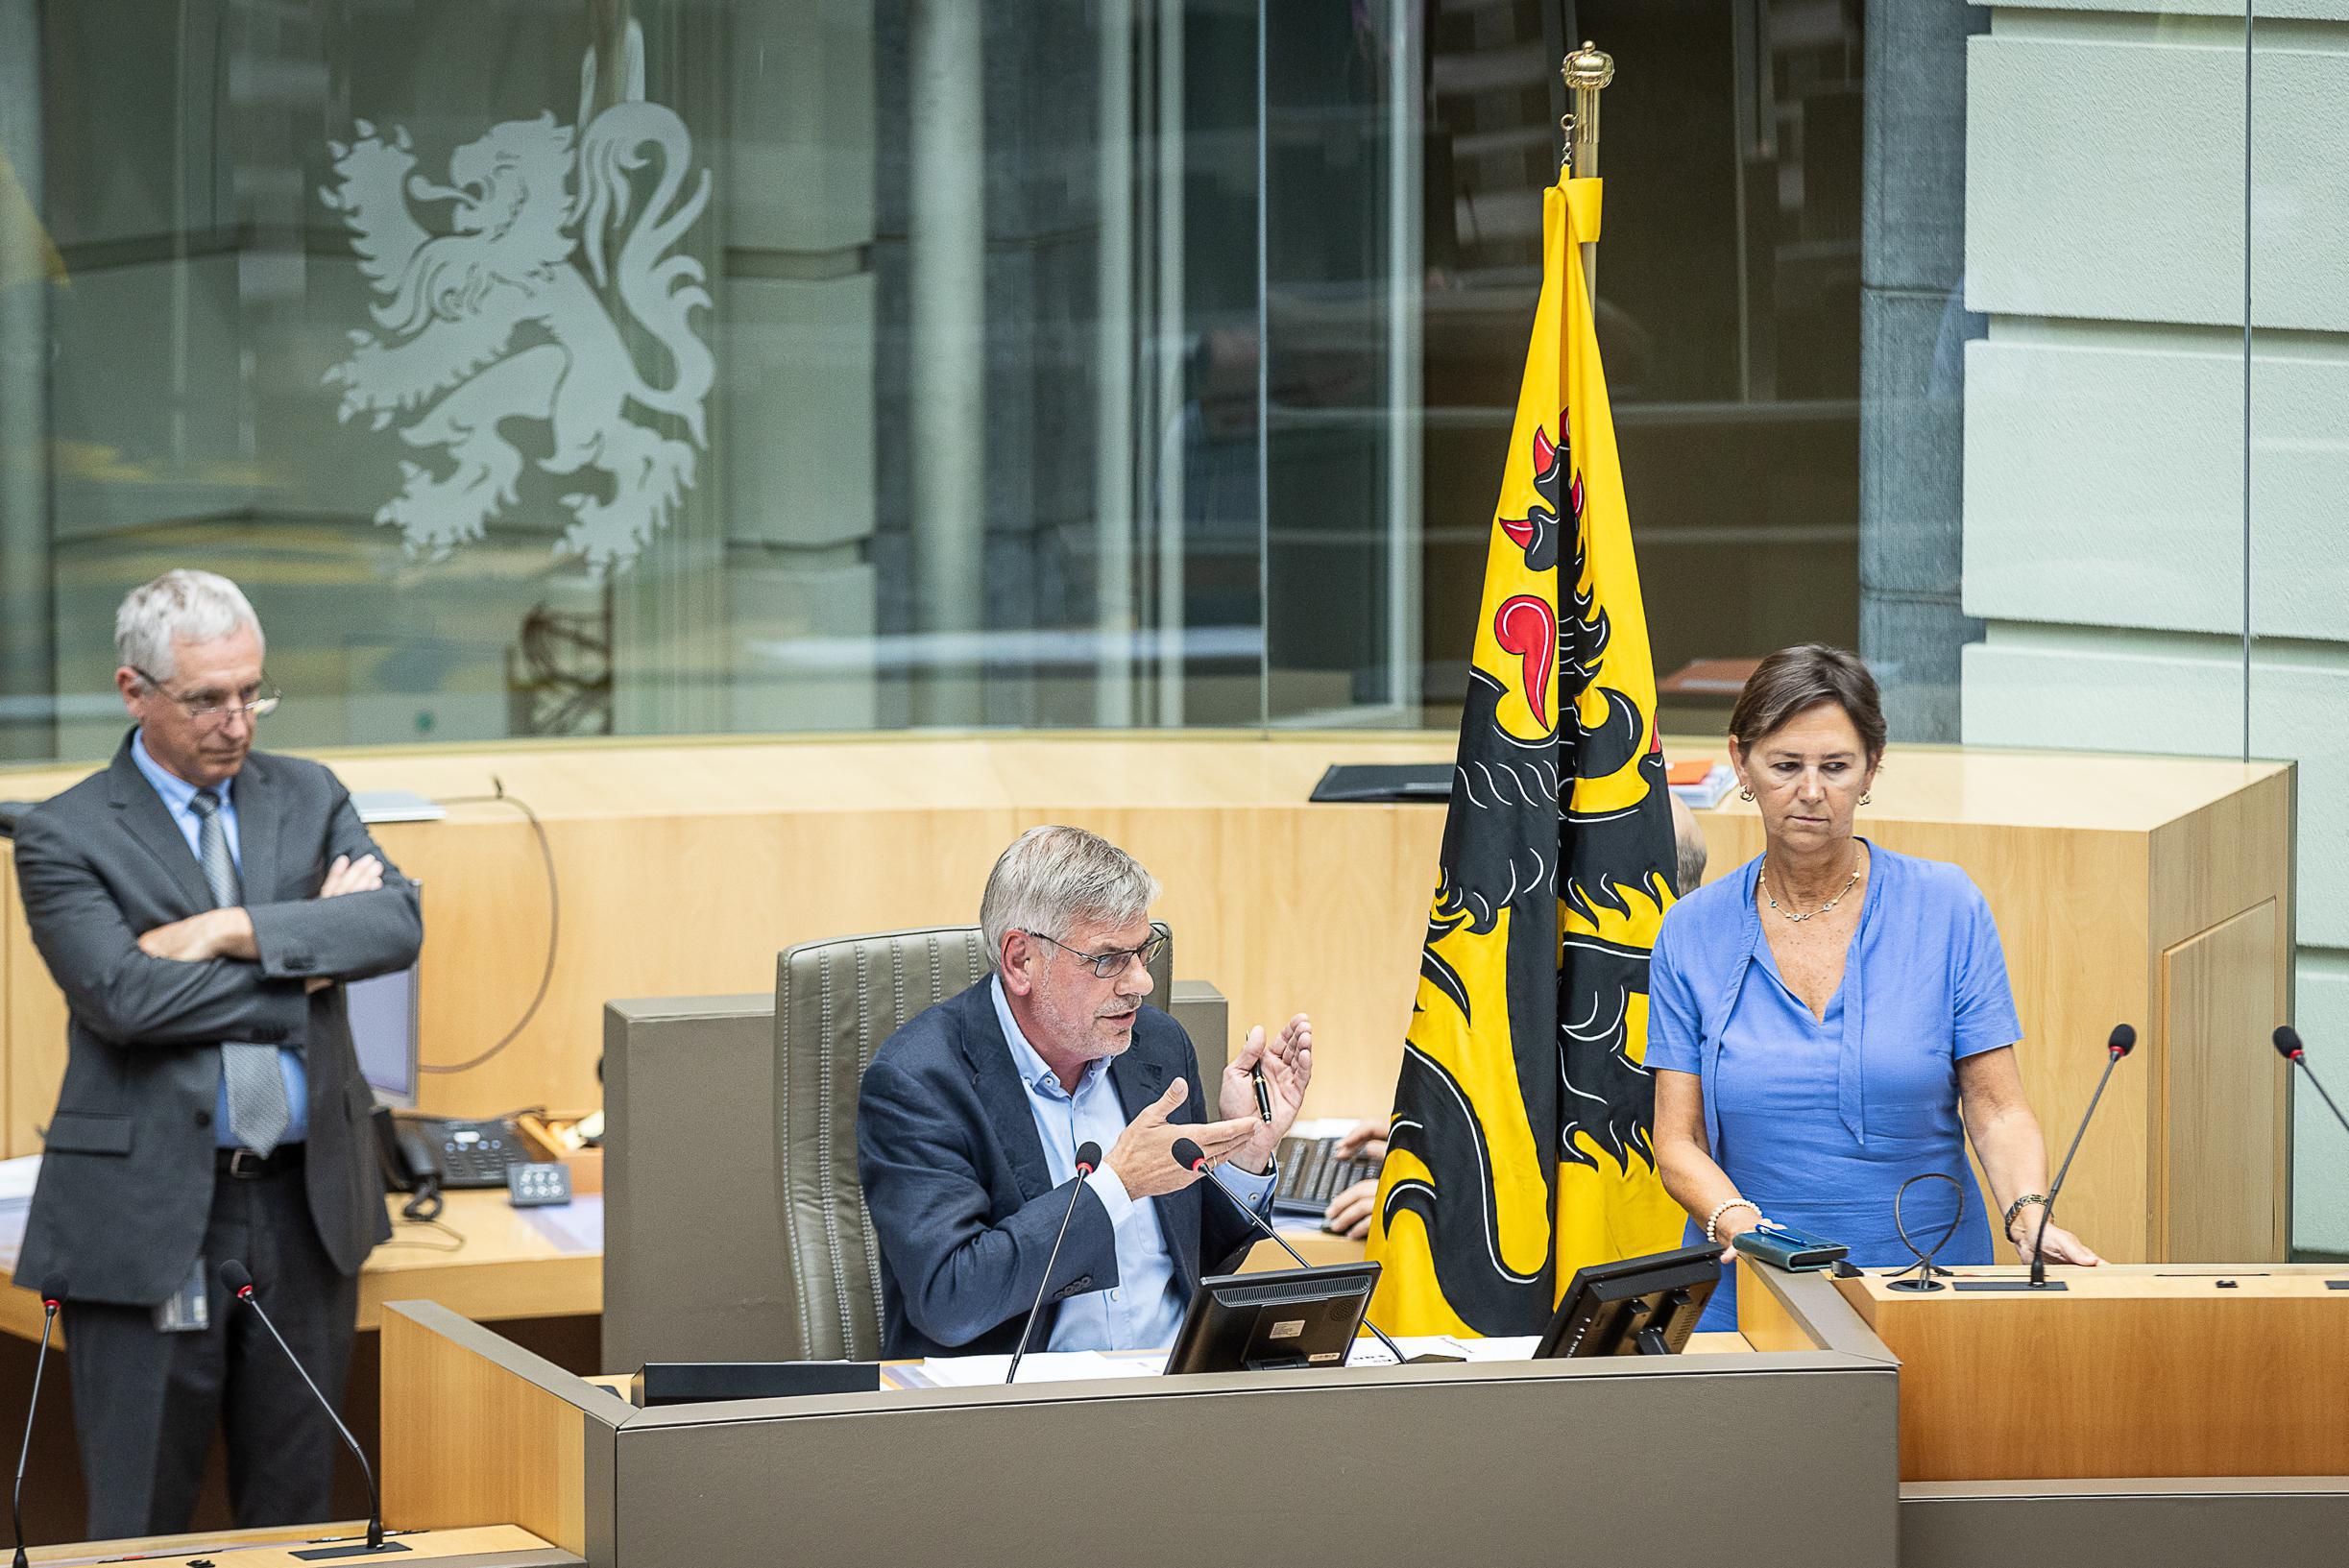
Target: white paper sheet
{"points": [[17, 1178], [1368, 1352], [1038, 1366], [575, 1227]]}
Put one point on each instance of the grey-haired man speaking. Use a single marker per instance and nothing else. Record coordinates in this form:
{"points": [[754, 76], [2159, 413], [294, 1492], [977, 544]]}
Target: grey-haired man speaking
{"points": [[200, 904], [970, 1117]]}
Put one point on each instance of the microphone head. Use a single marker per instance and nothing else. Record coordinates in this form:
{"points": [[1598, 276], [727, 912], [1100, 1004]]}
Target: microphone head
{"points": [[2287, 1043], [1188, 1154], [236, 1277], [2124, 1040], [1088, 1158], [53, 1293]]}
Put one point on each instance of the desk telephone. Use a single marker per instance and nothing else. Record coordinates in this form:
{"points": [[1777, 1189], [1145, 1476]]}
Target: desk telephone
{"points": [[447, 1154]]}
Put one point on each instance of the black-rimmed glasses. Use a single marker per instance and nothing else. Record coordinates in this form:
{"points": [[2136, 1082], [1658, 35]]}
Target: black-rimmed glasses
{"points": [[1108, 966], [257, 701]]}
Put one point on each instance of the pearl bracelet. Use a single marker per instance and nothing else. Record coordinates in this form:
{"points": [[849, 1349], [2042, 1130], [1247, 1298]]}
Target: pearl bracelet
{"points": [[1714, 1219]]}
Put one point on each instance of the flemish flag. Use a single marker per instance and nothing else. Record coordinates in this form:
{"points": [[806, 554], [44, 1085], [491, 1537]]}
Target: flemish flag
{"points": [[1520, 1146]]}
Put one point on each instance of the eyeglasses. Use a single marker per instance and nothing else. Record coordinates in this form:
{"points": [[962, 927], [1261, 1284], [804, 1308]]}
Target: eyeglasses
{"points": [[1108, 966], [259, 701]]}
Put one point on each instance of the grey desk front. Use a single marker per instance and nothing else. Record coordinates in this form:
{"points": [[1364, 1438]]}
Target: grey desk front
{"points": [[693, 1256], [1549, 1462]]}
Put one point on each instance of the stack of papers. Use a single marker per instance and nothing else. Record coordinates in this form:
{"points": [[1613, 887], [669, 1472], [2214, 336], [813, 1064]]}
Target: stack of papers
{"points": [[1701, 782], [1368, 1352], [17, 1179]]}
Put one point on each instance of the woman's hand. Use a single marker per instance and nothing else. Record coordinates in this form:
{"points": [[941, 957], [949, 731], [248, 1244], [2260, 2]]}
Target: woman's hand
{"points": [[1733, 1223], [2059, 1244]]}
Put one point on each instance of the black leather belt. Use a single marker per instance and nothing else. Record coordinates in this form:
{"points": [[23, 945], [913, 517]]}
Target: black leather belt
{"points": [[243, 1164]]}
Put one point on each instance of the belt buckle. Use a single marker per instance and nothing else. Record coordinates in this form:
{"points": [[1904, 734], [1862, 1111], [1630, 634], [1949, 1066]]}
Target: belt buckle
{"points": [[239, 1169]]}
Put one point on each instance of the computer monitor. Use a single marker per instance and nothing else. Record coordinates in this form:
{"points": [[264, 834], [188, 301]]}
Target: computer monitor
{"points": [[1289, 1317], [383, 1024], [1636, 1307]]}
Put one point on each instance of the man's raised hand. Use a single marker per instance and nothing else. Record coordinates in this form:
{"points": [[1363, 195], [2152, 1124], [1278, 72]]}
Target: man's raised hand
{"points": [[1144, 1157]]}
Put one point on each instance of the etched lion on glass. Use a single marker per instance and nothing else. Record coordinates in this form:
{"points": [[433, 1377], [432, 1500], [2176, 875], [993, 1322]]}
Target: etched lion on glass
{"points": [[496, 320]]}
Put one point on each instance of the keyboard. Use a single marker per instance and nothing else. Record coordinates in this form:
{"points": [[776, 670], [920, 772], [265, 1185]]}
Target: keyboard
{"points": [[1312, 1173]]}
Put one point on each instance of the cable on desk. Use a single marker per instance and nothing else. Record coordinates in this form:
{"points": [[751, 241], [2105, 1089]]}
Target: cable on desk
{"points": [[554, 920], [457, 1239]]}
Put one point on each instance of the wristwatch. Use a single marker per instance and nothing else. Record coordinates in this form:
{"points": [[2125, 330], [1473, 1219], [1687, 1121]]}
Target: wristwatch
{"points": [[2015, 1208]]}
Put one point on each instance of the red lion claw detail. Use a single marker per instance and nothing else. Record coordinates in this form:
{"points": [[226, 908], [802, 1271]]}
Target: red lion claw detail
{"points": [[1528, 627], [1545, 452], [1520, 529]]}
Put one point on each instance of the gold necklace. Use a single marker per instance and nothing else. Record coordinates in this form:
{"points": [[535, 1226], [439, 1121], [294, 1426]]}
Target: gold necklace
{"points": [[1814, 914]]}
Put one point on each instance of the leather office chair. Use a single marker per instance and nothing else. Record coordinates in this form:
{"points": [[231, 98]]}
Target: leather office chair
{"points": [[835, 1002]]}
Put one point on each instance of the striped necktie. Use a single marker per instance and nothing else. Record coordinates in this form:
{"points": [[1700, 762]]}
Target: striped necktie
{"points": [[257, 1112]]}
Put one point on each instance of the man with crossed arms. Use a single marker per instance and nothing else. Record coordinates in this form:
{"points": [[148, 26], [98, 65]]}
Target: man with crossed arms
{"points": [[200, 904]]}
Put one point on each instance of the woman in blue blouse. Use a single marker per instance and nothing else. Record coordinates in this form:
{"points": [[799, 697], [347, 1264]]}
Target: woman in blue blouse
{"points": [[1831, 1018]]}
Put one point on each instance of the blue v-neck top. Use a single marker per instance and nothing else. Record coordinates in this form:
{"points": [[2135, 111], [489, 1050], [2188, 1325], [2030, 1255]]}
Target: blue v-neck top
{"points": [[1819, 1119]]}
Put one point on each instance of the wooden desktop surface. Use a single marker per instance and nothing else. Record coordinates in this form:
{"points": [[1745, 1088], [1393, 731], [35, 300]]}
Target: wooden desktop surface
{"points": [[503, 1269], [2132, 1370], [487, 1544]]}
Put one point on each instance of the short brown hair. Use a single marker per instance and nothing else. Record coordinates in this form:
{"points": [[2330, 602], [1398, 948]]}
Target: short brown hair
{"points": [[1793, 680]]}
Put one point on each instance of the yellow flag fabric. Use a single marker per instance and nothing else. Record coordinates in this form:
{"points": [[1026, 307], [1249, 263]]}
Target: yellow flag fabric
{"points": [[1519, 1149]]}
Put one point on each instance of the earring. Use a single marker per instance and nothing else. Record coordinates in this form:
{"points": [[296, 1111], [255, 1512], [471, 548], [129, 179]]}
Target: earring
{"points": [[1865, 797], [1745, 793]]}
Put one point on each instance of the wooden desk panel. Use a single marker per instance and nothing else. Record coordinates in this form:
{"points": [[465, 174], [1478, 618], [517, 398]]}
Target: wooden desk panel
{"points": [[2132, 1370]]}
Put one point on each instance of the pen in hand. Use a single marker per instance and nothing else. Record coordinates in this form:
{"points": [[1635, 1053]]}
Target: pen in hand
{"points": [[1264, 1096]]}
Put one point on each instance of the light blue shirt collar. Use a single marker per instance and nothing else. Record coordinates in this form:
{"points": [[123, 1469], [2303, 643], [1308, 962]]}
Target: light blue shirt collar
{"points": [[177, 792]]}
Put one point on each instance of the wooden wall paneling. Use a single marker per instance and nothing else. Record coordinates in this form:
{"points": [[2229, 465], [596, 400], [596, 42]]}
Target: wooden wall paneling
{"points": [[32, 1026], [2222, 1088], [466, 1440], [674, 906], [2071, 920]]}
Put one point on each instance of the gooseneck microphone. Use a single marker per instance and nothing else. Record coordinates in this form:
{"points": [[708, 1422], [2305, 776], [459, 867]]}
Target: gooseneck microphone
{"points": [[2124, 1041], [239, 1280], [1088, 1160], [1190, 1157], [52, 1297], [2288, 1044]]}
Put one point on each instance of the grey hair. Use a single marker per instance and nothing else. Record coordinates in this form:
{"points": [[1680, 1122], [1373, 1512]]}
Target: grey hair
{"points": [[1688, 845], [1052, 879], [199, 606]]}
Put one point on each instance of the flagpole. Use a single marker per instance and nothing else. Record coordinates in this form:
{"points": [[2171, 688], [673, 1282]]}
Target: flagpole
{"points": [[1587, 70]]}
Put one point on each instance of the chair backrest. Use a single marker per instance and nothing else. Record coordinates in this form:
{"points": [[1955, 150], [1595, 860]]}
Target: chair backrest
{"points": [[835, 1002]]}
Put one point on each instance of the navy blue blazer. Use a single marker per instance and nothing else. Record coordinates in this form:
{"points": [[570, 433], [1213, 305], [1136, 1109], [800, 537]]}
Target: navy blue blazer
{"points": [[962, 1202]]}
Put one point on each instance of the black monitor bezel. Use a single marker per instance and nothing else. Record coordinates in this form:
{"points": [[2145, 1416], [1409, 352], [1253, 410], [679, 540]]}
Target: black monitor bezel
{"points": [[1193, 1339], [1696, 1268]]}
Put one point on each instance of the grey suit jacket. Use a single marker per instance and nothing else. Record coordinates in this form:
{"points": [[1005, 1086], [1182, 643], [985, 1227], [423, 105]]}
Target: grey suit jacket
{"points": [[126, 1177]]}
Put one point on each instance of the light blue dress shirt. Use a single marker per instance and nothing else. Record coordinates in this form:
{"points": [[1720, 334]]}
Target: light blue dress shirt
{"points": [[1142, 1310], [177, 793]]}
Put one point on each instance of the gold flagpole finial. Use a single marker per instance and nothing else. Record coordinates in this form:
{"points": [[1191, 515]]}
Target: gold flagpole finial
{"points": [[1587, 70]]}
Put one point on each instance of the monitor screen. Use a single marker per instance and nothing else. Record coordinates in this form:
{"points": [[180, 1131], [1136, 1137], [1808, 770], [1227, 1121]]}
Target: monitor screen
{"points": [[1282, 1319], [1637, 1306], [383, 1020]]}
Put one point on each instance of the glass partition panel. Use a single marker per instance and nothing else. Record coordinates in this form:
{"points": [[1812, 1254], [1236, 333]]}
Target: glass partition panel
{"points": [[2297, 591], [657, 365]]}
